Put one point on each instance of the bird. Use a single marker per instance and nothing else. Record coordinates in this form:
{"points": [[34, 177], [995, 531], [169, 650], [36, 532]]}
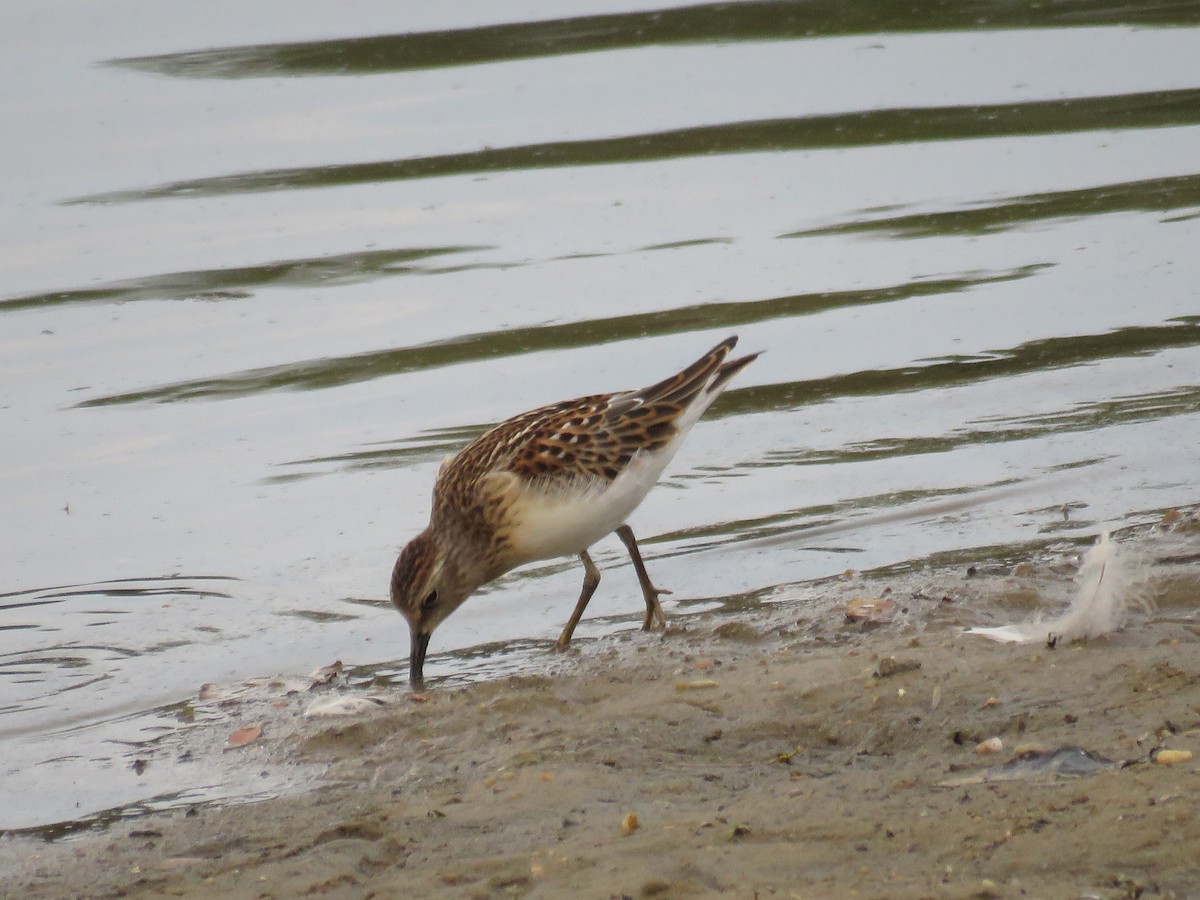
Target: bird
{"points": [[550, 483]]}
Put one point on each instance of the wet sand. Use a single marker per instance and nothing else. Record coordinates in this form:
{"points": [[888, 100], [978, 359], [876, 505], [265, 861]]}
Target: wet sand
{"points": [[772, 752]]}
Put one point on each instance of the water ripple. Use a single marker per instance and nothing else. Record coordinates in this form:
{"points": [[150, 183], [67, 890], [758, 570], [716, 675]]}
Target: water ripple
{"points": [[317, 374], [700, 23], [862, 128]]}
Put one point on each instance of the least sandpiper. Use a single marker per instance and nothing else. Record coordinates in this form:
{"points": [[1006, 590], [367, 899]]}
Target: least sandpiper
{"points": [[550, 483]]}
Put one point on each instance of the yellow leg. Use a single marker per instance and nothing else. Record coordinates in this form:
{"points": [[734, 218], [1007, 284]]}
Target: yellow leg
{"points": [[649, 592], [591, 578]]}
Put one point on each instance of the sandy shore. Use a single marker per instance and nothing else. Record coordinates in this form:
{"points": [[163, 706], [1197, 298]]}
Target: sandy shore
{"points": [[767, 753]]}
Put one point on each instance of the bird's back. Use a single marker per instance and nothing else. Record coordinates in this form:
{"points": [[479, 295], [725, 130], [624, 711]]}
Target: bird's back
{"points": [[552, 481]]}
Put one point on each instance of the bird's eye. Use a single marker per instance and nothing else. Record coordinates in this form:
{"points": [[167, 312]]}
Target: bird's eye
{"points": [[430, 601]]}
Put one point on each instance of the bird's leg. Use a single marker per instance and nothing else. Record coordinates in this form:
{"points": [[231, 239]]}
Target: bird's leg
{"points": [[649, 591], [591, 578]]}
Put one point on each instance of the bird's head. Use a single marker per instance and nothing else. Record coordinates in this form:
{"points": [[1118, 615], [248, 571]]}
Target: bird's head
{"points": [[425, 591]]}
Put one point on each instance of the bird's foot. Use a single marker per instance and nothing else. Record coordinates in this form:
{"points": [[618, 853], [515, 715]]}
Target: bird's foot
{"points": [[655, 618]]}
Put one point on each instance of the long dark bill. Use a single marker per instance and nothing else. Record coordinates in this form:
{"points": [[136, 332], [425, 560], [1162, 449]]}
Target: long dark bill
{"points": [[416, 660]]}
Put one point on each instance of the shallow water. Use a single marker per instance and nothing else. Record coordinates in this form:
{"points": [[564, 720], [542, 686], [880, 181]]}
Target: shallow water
{"points": [[263, 268]]}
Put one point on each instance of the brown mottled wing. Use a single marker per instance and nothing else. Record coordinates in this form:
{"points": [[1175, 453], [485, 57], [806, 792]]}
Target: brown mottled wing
{"points": [[559, 445], [597, 436]]}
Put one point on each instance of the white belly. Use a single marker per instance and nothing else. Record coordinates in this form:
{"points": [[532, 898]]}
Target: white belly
{"points": [[567, 523]]}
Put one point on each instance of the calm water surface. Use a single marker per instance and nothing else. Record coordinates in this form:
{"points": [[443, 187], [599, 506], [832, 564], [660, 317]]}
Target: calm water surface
{"points": [[262, 267]]}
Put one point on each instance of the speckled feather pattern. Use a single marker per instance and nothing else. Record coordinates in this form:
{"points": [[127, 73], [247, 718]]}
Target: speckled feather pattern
{"points": [[573, 445], [550, 483], [594, 436]]}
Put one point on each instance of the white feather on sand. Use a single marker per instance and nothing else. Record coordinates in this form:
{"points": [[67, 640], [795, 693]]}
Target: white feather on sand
{"points": [[1109, 584]]}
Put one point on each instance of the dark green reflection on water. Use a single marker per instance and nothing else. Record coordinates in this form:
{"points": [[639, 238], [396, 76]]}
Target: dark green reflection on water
{"points": [[153, 586], [702, 23], [337, 371], [1152, 109], [429, 446], [1033, 356], [1086, 417], [824, 518], [234, 283], [1150, 195]]}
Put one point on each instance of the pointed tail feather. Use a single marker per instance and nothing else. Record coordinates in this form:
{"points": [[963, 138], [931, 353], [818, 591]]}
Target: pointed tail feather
{"points": [[683, 386], [730, 369]]}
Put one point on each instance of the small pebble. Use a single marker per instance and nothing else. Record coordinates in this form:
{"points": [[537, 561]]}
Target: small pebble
{"points": [[1171, 757], [703, 684], [875, 611], [991, 745], [890, 666]]}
